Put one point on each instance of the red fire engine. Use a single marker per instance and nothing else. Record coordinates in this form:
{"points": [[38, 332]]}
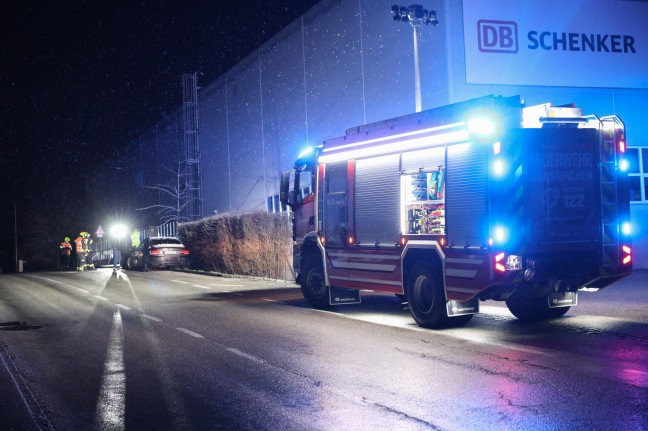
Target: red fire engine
{"points": [[483, 199]]}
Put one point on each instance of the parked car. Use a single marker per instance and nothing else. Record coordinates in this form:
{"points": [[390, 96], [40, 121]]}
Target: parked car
{"points": [[159, 252]]}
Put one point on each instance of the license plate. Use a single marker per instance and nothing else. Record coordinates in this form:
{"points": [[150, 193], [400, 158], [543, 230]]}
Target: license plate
{"points": [[171, 252]]}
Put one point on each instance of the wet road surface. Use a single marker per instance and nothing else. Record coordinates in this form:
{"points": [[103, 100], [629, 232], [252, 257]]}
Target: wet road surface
{"points": [[171, 350]]}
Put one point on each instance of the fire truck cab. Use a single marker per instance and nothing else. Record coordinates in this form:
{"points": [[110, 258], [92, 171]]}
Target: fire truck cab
{"points": [[483, 199]]}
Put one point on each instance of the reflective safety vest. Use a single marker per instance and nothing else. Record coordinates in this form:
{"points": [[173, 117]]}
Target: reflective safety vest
{"points": [[66, 247], [79, 245], [87, 242]]}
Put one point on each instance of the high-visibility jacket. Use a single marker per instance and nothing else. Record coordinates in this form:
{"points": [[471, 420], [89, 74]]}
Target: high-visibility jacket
{"points": [[87, 243], [79, 245], [66, 247]]}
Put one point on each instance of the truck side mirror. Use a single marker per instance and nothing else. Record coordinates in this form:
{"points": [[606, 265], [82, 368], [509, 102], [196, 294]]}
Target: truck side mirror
{"points": [[284, 190]]}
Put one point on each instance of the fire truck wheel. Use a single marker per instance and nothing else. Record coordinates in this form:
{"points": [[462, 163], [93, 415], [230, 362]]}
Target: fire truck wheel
{"points": [[426, 297], [459, 320], [554, 313], [313, 286], [533, 309]]}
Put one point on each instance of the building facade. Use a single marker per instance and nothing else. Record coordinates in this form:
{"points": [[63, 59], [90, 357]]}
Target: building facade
{"points": [[348, 62]]}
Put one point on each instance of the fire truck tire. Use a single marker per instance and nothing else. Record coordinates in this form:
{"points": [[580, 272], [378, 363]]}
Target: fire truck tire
{"points": [[313, 285], [459, 320], [426, 297], [533, 309], [555, 313]]}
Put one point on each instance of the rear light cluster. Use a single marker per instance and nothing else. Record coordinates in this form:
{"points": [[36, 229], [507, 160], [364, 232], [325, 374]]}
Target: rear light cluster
{"points": [[620, 137], [503, 262], [184, 252], [499, 262], [155, 252], [627, 255]]}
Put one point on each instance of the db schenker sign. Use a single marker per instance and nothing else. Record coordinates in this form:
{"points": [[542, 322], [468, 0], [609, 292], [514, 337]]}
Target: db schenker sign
{"points": [[556, 43]]}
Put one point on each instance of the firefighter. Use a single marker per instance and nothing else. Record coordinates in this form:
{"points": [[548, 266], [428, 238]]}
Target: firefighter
{"points": [[88, 251], [80, 254], [66, 249]]}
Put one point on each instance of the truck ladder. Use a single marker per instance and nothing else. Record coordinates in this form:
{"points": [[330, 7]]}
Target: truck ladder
{"points": [[610, 235]]}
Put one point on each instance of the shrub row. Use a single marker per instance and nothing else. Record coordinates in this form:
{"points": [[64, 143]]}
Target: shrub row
{"points": [[256, 244]]}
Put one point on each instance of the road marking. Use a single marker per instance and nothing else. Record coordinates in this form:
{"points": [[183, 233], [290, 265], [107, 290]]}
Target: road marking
{"points": [[82, 290], [226, 285], [245, 355], [48, 279], [155, 319], [101, 297], [271, 300], [188, 332], [202, 287], [179, 281], [124, 307], [111, 404]]}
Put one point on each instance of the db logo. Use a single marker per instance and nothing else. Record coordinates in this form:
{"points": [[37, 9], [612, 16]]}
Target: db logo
{"points": [[497, 36]]}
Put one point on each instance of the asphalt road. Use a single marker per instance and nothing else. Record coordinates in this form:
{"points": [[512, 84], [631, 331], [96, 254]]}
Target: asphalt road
{"points": [[170, 350]]}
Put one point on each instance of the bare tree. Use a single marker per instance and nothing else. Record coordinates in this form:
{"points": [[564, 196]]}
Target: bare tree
{"points": [[175, 193]]}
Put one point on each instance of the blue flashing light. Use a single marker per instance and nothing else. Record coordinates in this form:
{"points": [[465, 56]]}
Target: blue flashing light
{"points": [[499, 167], [306, 152], [481, 126], [626, 228], [624, 165], [500, 234], [484, 126]]}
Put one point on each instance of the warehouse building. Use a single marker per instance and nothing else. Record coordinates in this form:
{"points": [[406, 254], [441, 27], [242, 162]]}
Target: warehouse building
{"points": [[350, 62]]}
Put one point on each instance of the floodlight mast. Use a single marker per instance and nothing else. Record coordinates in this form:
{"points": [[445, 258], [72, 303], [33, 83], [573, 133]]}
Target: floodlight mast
{"points": [[415, 15]]}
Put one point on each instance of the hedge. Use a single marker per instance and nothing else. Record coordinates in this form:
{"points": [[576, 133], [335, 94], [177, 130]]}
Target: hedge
{"points": [[254, 244]]}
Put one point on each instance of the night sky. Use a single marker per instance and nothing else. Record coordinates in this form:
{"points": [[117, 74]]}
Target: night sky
{"points": [[81, 78]]}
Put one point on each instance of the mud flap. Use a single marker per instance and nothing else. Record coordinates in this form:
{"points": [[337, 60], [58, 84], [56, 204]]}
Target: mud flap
{"points": [[459, 308], [339, 296], [562, 299]]}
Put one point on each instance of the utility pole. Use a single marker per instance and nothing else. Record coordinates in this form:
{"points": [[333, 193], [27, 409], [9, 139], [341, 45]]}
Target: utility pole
{"points": [[191, 174], [16, 234], [415, 15]]}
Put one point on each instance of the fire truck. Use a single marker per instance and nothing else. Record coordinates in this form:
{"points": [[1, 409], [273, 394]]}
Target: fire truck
{"points": [[485, 199]]}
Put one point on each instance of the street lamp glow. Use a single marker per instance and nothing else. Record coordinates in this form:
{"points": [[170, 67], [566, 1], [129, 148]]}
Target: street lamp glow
{"points": [[119, 230]]}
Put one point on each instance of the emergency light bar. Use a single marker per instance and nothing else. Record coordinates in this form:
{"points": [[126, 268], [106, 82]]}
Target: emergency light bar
{"points": [[419, 139]]}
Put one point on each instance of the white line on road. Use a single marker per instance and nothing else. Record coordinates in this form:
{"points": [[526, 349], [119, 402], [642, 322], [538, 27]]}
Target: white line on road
{"points": [[125, 307], [179, 281], [82, 290], [48, 279], [245, 355], [101, 297], [155, 319], [226, 285], [111, 404], [202, 287], [271, 300], [188, 332]]}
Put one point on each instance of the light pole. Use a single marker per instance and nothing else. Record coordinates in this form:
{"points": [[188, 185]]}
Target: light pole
{"points": [[415, 15]]}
